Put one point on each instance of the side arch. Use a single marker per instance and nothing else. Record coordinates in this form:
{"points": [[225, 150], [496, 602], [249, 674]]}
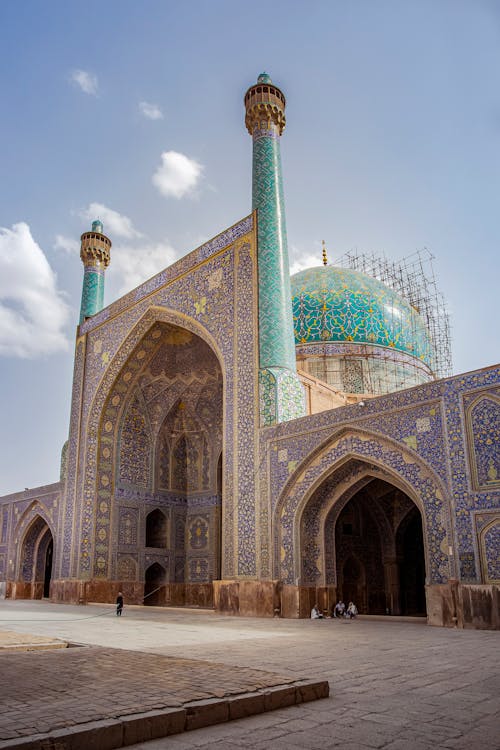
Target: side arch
{"points": [[34, 559], [398, 465]]}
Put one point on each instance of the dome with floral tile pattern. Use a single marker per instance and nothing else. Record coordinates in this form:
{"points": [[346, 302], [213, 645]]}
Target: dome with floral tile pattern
{"points": [[332, 304]]}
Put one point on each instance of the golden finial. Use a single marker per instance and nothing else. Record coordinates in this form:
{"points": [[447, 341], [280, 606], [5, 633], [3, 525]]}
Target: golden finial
{"points": [[325, 259]]}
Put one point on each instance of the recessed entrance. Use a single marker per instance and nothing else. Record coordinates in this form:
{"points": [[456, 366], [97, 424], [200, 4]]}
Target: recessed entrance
{"points": [[35, 562], [155, 580], [166, 410], [379, 552]]}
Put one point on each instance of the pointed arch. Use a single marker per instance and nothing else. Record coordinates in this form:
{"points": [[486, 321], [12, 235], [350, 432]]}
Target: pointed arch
{"points": [[104, 419], [34, 555], [378, 456], [482, 420], [155, 578], [34, 509], [156, 529]]}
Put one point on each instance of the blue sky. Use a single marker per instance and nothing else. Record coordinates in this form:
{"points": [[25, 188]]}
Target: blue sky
{"points": [[134, 111]]}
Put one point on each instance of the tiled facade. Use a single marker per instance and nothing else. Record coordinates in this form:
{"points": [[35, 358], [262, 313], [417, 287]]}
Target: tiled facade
{"points": [[188, 461]]}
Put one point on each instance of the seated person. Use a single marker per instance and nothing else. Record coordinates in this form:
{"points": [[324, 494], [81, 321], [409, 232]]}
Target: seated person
{"points": [[339, 609], [352, 610], [315, 613]]}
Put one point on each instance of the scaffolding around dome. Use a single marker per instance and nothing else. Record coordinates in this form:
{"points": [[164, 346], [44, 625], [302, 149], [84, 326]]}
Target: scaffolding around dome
{"points": [[413, 279]]}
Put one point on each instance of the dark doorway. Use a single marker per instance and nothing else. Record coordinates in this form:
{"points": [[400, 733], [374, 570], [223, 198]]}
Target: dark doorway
{"points": [[352, 583], [154, 594], [410, 547], [48, 569], [379, 552], [36, 559]]}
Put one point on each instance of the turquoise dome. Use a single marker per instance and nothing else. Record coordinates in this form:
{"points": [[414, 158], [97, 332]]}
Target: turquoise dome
{"points": [[333, 304]]}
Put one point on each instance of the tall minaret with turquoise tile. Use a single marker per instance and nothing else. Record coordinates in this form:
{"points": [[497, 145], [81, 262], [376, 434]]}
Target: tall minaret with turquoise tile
{"points": [[94, 252], [281, 392]]}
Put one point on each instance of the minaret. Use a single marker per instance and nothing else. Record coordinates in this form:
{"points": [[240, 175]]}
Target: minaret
{"points": [[94, 252], [282, 395]]}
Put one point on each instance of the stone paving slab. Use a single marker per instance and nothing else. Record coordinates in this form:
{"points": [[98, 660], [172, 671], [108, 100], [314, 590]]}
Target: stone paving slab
{"points": [[394, 685], [12, 641], [79, 698]]}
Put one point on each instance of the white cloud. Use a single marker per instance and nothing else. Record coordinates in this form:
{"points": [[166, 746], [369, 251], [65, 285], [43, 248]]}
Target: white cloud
{"points": [[133, 264], [177, 174], [86, 81], [151, 111], [33, 312], [304, 260], [115, 224], [67, 244]]}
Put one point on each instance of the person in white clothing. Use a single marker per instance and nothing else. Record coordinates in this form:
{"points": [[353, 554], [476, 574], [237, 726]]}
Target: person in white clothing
{"points": [[352, 610], [315, 613]]}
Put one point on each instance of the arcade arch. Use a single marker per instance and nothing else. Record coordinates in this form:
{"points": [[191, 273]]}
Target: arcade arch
{"points": [[35, 560]]}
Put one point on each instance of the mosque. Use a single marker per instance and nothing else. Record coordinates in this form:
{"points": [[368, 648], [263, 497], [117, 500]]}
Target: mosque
{"points": [[254, 443]]}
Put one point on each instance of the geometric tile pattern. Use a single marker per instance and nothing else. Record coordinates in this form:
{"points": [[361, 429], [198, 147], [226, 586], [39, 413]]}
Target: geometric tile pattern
{"points": [[491, 550], [281, 396], [92, 291], [488, 534], [333, 304], [483, 433], [418, 436], [400, 467], [193, 296], [276, 341]]}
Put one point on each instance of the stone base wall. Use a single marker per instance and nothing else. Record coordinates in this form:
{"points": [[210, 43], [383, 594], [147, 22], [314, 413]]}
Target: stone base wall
{"points": [[270, 599], [23, 590], [464, 605], [247, 598], [297, 601], [81, 592], [453, 604]]}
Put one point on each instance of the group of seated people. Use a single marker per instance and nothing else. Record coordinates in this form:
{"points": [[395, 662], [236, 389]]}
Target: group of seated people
{"points": [[339, 610]]}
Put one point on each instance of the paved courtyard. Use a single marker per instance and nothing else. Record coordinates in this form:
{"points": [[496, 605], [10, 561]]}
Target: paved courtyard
{"points": [[393, 685]]}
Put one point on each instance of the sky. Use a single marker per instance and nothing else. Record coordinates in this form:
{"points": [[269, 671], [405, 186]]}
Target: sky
{"points": [[133, 113]]}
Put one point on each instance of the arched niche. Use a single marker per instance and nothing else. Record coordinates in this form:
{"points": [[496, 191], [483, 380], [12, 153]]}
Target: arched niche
{"points": [[35, 560], [349, 458], [156, 529]]}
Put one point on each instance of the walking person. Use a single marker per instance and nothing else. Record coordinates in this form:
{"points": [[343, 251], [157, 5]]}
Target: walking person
{"points": [[119, 604]]}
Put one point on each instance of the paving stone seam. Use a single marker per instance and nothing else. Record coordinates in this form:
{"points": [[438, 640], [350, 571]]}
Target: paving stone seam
{"points": [[109, 734]]}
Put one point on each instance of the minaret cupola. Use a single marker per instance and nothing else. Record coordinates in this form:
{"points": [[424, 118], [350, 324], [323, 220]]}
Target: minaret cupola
{"points": [[95, 253]]}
